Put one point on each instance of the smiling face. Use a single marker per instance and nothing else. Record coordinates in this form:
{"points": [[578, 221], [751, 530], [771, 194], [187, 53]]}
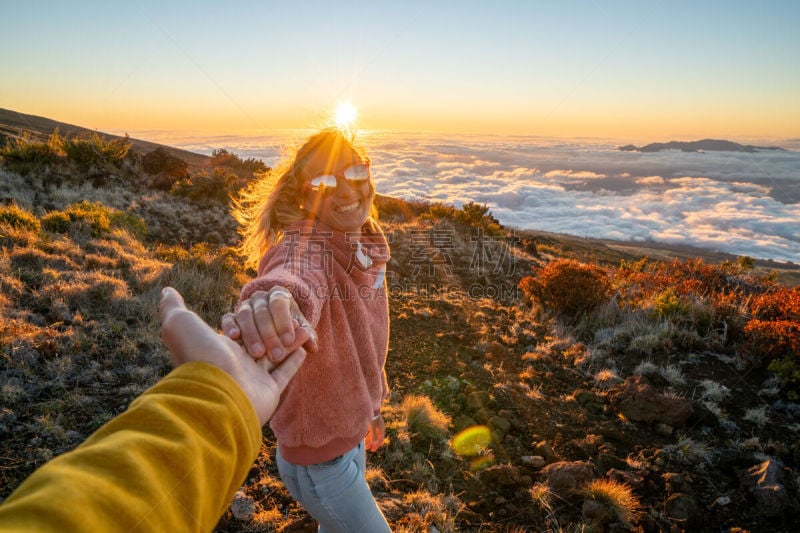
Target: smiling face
{"points": [[345, 206]]}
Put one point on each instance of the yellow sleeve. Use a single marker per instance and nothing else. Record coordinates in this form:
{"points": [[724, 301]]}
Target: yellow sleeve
{"points": [[171, 462]]}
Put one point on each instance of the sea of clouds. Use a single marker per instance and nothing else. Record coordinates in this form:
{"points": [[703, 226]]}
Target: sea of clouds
{"points": [[734, 202]]}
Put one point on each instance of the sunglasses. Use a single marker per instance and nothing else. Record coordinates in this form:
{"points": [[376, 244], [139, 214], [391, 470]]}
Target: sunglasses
{"points": [[355, 174]]}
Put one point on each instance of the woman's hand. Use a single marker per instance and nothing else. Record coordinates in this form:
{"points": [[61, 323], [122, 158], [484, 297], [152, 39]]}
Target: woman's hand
{"points": [[270, 323], [374, 438], [190, 339]]}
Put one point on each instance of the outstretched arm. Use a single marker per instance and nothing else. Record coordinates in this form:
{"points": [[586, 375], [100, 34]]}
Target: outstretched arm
{"points": [[173, 460]]}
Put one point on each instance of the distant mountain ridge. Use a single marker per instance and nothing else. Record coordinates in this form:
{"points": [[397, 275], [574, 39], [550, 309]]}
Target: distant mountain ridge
{"points": [[705, 145], [14, 124]]}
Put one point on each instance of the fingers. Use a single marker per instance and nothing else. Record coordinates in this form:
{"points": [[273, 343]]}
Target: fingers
{"points": [[271, 324], [310, 343], [282, 325], [250, 334], [229, 326], [171, 300], [188, 338], [375, 435], [284, 373]]}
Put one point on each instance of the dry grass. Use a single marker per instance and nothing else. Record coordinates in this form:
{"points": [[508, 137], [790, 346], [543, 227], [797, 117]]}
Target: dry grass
{"points": [[617, 496], [423, 418], [435, 509]]}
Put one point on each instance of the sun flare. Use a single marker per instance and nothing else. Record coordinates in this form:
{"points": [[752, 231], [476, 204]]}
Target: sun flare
{"points": [[345, 115]]}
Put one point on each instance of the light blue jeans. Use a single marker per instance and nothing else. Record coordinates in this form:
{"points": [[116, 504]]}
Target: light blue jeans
{"points": [[335, 493]]}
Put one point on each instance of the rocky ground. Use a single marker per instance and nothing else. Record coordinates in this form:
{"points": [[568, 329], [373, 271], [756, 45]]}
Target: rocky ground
{"points": [[558, 423], [606, 431]]}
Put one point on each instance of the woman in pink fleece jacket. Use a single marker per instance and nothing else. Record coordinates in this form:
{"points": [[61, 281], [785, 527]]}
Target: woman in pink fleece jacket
{"points": [[321, 261]]}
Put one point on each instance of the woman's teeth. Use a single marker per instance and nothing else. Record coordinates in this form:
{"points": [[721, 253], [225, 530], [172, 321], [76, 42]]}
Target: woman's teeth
{"points": [[348, 208]]}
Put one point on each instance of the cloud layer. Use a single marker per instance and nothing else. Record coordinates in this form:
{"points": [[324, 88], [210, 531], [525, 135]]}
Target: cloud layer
{"points": [[740, 203]]}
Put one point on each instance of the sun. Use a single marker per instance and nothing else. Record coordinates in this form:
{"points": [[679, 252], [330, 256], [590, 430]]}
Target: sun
{"points": [[345, 115]]}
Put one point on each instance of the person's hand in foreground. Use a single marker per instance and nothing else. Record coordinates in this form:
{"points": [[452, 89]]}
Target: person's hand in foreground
{"points": [[270, 324], [189, 339]]}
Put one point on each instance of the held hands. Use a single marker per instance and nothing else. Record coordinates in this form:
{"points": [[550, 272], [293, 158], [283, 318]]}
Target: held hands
{"points": [[190, 339], [270, 324]]}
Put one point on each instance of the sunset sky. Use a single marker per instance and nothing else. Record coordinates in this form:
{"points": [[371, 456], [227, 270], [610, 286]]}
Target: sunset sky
{"points": [[640, 71]]}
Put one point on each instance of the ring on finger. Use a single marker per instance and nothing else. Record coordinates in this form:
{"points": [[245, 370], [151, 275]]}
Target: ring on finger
{"points": [[283, 294]]}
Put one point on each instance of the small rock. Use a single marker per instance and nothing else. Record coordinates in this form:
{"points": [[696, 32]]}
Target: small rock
{"points": [[722, 501], [463, 422], [500, 424], [664, 429], [483, 416], [583, 396], [682, 508], [565, 477], [765, 483], [543, 449], [625, 476], [243, 507], [597, 515], [536, 461], [639, 401], [497, 436], [505, 475], [478, 400]]}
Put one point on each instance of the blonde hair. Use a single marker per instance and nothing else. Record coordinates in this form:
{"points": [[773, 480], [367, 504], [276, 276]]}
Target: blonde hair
{"points": [[272, 203]]}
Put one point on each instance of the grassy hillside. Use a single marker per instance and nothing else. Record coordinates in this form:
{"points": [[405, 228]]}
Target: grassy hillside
{"points": [[538, 382], [14, 124]]}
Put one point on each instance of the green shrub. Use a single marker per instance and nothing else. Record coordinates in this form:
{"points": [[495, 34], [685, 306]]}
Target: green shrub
{"points": [[204, 187], [160, 161], [668, 304], [224, 158], [567, 287], [16, 217], [100, 218], [93, 150], [56, 222], [787, 369], [471, 214], [24, 154]]}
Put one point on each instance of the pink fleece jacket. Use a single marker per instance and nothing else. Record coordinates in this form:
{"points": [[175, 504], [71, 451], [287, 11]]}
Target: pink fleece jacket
{"points": [[338, 282]]}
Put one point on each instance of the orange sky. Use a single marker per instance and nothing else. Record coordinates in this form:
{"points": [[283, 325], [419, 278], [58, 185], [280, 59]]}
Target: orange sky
{"points": [[616, 71]]}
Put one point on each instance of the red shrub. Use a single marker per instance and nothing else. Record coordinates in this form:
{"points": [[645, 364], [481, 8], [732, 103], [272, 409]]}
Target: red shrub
{"points": [[783, 304], [568, 287], [772, 339]]}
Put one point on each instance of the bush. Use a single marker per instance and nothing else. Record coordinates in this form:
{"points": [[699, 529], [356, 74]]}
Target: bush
{"points": [[471, 214], [788, 371], [423, 418], [567, 287], [783, 304], [772, 339], [98, 217], [668, 304], [16, 217], [56, 222], [224, 158], [616, 496], [215, 187], [93, 150], [23, 154], [159, 161]]}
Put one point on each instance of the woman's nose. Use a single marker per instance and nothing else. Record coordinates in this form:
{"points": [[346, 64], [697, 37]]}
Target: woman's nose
{"points": [[344, 188]]}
